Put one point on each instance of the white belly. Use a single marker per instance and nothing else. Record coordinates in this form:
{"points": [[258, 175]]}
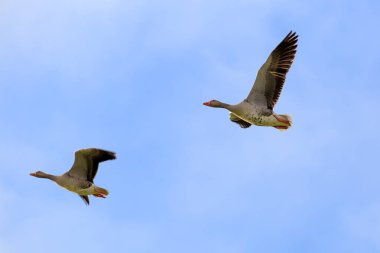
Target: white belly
{"points": [[74, 188], [253, 115], [260, 120], [88, 191]]}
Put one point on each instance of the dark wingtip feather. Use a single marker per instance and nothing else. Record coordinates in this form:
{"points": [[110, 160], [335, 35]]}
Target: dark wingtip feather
{"points": [[244, 125], [85, 199], [111, 155], [104, 155], [284, 55], [241, 123]]}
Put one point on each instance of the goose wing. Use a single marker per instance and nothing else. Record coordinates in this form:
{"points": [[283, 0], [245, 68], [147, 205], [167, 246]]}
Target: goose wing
{"points": [[271, 77], [85, 199], [98, 156], [239, 121], [87, 161]]}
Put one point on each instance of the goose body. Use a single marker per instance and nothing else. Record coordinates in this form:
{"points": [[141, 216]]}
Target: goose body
{"points": [[80, 178], [257, 108], [253, 115], [77, 185]]}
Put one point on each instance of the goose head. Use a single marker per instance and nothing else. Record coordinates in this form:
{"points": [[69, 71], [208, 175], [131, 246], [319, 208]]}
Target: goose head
{"points": [[40, 174], [216, 103]]}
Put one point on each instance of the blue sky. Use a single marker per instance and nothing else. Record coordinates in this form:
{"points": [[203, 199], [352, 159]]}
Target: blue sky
{"points": [[131, 76]]}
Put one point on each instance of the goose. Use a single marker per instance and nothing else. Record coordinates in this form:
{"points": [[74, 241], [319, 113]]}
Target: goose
{"points": [[80, 178], [257, 108]]}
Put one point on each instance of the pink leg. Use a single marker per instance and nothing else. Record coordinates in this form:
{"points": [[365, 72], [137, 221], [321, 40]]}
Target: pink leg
{"points": [[282, 120], [281, 127], [99, 195]]}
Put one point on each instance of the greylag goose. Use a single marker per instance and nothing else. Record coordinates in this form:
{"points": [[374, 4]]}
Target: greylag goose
{"points": [[257, 108], [80, 178]]}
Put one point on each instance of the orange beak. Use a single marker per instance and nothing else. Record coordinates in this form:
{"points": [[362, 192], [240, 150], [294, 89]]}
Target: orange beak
{"points": [[206, 103], [32, 174]]}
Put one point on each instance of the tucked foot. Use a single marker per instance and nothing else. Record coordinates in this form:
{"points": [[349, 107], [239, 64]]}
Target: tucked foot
{"points": [[99, 195], [281, 119], [283, 128]]}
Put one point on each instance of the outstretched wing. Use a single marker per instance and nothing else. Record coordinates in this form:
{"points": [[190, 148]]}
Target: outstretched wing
{"points": [[98, 156], [271, 76], [81, 166], [87, 161], [237, 120]]}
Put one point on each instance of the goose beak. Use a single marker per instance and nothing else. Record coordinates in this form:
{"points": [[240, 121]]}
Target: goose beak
{"points": [[32, 174], [206, 103]]}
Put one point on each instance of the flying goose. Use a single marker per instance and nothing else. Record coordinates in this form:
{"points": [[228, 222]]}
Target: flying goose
{"points": [[80, 178], [257, 108]]}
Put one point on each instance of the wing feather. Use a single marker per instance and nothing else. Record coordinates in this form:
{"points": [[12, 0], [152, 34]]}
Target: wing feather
{"points": [[87, 161], [85, 199], [239, 121], [271, 76]]}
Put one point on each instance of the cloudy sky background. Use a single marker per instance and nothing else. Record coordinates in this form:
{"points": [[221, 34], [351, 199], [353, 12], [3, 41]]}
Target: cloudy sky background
{"points": [[131, 76]]}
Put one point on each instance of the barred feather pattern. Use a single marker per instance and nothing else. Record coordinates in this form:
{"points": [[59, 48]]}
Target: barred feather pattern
{"points": [[282, 58]]}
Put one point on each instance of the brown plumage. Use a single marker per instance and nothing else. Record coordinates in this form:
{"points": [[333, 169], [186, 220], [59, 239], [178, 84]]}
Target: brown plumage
{"points": [[257, 108], [239, 121], [275, 69], [80, 178]]}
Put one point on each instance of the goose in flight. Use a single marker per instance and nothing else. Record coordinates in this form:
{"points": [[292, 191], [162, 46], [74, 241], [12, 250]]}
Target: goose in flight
{"points": [[257, 108], [80, 178]]}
